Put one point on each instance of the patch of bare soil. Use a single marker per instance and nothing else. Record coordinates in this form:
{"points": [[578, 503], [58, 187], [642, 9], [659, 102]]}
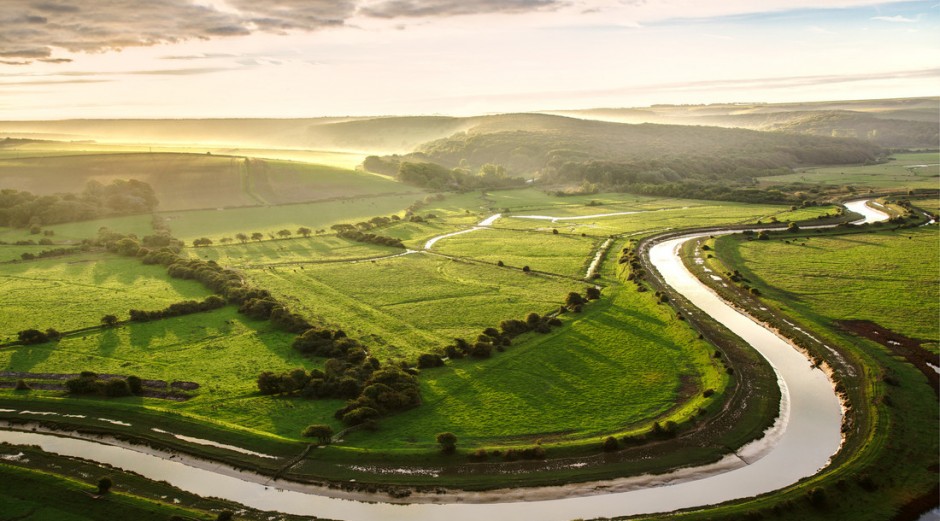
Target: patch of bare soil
{"points": [[909, 348]]}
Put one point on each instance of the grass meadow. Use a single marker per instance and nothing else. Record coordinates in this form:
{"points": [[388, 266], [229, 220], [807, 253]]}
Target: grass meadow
{"points": [[673, 214], [891, 279], [76, 291], [216, 224], [72, 233], [297, 250], [902, 171], [408, 305], [567, 255], [855, 277], [622, 362], [187, 181]]}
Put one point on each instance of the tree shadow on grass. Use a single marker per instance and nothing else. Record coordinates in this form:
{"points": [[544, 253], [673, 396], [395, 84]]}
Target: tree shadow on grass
{"points": [[24, 358]]}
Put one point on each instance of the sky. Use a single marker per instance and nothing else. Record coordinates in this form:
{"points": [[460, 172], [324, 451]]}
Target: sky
{"points": [[64, 59]]}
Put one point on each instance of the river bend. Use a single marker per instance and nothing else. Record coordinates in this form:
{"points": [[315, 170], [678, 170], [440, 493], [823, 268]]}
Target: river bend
{"points": [[802, 441]]}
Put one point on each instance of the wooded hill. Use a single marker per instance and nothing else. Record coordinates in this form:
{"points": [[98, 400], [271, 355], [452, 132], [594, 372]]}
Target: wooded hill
{"points": [[891, 123], [587, 155]]}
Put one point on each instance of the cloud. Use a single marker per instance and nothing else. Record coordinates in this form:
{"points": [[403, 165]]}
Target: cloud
{"points": [[31, 30], [894, 19], [429, 8]]}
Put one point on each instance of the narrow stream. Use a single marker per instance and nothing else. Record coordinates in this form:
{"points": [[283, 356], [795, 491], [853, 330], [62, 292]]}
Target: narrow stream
{"points": [[802, 442]]}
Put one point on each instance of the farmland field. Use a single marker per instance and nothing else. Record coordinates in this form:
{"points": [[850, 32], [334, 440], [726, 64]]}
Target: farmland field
{"points": [[902, 171], [404, 306], [216, 224], [603, 372], [195, 181], [76, 291], [72, 233], [872, 296], [562, 254], [674, 213], [821, 273], [298, 250]]}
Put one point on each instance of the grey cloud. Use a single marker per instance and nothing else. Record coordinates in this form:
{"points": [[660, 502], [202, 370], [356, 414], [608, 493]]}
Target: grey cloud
{"points": [[25, 53], [31, 30], [426, 8]]}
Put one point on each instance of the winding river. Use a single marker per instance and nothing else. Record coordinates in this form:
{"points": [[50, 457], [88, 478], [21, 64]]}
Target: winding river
{"points": [[802, 441]]}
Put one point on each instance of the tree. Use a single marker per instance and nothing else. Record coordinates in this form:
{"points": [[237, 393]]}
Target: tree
{"points": [[284, 234], [202, 241], [303, 230], [104, 485], [323, 433], [32, 336], [526, 269], [593, 293], [793, 228], [447, 441], [242, 238], [225, 515], [257, 236], [109, 320], [610, 444]]}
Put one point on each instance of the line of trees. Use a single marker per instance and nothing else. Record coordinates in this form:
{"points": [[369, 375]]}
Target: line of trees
{"points": [[20, 209], [186, 307]]}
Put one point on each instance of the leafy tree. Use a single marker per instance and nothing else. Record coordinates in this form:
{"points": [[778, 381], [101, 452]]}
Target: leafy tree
{"points": [[447, 442], [284, 234], [104, 485], [793, 227], [573, 299], [303, 230], [109, 320], [323, 433], [593, 293], [526, 269], [242, 238], [610, 444], [135, 384], [202, 241], [257, 236], [32, 336]]}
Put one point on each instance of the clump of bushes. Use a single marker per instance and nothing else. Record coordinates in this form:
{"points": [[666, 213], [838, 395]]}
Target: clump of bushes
{"points": [[89, 383]]}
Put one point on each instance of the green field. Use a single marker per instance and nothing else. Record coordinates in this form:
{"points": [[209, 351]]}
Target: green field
{"points": [[809, 285], [216, 224], [567, 255], [195, 181], [674, 214], [333, 158], [298, 250], [902, 171], [408, 305], [876, 270], [72, 233], [624, 361], [76, 291]]}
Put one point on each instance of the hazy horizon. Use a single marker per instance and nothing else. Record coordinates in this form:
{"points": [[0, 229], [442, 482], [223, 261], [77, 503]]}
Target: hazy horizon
{"points": [[201, 59]]}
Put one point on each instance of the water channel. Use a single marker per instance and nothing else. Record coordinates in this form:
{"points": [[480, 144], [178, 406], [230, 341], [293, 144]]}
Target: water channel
{"points": [[802, 442]]}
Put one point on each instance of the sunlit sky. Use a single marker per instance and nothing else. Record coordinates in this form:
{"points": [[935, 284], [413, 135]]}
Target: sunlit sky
{"points": [[306, 58]]}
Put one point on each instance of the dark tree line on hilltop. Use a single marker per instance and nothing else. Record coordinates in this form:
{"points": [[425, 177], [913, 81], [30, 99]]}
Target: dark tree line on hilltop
{"points": [[19, 209]]}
